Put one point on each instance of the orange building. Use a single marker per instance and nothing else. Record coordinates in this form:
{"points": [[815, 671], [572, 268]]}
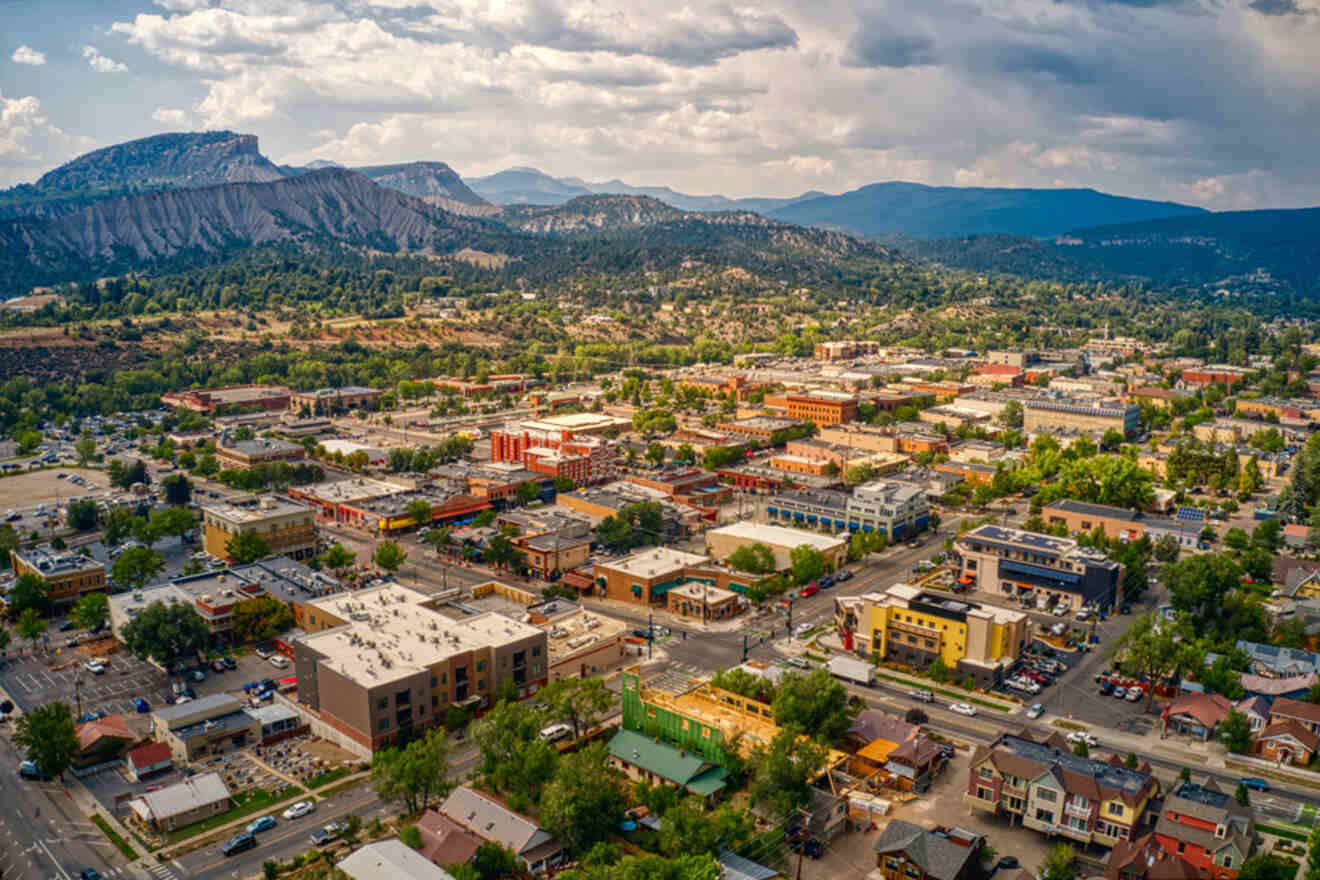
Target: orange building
{"points": [[818, 407]]}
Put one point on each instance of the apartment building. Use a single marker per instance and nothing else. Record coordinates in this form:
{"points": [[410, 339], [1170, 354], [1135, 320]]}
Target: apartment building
{"points": [[721, 543], [569, 446], [1081, 415], [270, 398], [1042, 569], [1207, 828], [1080, 516], [244, 455], [383, 660], [845, 349], [1199, 377], [897, 509], [817, 407], [287, 527], [1278, 408], [333, 401], [758, 427], [1045, 787], [914, 627], [721, 386], [67, 574]]}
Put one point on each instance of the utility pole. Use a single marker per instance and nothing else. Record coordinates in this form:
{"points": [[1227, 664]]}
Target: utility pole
{"points": [[744, 648], [805, 816], [650, 634]]}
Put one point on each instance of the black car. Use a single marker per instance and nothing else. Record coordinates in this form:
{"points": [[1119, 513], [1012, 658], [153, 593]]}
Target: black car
{"points": [[1007, 863], [642, 634], [230, 663], [66, 626], [241, 842], [89, 874]]}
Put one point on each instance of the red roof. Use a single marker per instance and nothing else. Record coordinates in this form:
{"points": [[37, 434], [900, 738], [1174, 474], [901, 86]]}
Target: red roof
{"points": [[1208, 709], [998, 370], [151, 753]]}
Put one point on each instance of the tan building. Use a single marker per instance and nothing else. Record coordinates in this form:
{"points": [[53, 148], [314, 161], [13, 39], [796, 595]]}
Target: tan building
{"points": [[246, 454], [207, 726], [702, 602], [1081, 415], [269, 398], [1040, 569], [289, 529], [581, 643], [647, 575], [550, 553], [182, 804], [1079, 516], [330, 401], [67, 574], [383, 661], [722, 542], [817, 407]]}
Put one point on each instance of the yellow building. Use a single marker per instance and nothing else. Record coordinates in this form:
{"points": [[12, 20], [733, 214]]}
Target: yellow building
{"points": [[67, 574], [914, 627], [289, 529]]}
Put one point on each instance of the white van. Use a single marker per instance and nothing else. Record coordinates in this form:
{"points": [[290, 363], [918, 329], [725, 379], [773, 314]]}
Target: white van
{"points": [[556, 732], [279, 661]]}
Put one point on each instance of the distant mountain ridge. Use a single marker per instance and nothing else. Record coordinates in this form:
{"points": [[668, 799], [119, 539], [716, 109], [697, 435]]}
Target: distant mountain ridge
{"points": [[433, 182], [920, 211]]}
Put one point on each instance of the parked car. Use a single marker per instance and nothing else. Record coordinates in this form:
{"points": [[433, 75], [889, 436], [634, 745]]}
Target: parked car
{"points": [[197, 675], [826, 582], [279, 661], [1120, 693], [265, 823], [89, 874], [1060, 611], [810, 590], [240, 842], [1007, 863], [962, 708], [1134, 694], [799, 662], [1035, 711], [1106, 687], [328, 834], [843, 575], [31, 770], [66, 626], [230, 663], [802, 629], [95, 667], [142, 706], [218, 666], [922, 695], [1255, 783], [300, 809], [1078, 736]]}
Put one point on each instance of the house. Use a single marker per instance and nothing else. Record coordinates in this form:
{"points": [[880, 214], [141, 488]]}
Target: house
{"points": [[738, 868], [391, 860], [1294, 686], [1276, 662], [1256, 710], [1294, 535], [1145, 859], [103, 740], [183, 803], [444, 841], [492, 821], [1208, 828], [1286, 742], [1306, 714], [641, 758], [1197, 714], [909, 852], [148, 760], [883, 741]]}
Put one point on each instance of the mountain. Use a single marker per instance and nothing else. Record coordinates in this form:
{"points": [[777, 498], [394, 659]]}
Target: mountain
{"points": [[686, 202], [944, 211], [433, 182], [331, 205], [164, 161]]}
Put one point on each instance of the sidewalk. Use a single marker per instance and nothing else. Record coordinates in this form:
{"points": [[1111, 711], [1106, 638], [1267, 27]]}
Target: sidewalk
{"points": [[1180, 749]]}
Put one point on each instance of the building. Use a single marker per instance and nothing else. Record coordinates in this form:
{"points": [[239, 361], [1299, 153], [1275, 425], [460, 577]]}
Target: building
{"points": [[1079, 516], [973, 473], [390, 514], [705, 602], [390, 860], [645, 576], [1045, 787], [909, 852], [845, 349], [270, 398], [569, 446], [1298, 409], [182, 804], [998, 374], [338, 446], [893, 508], [147, 760], [206, 726], [490, 820], [68, 575], [444, 841], [722, 386], [1197, 714], [382, 660], [1199, 377], [580, 644], [334, 401], [1049, 571], [1039, 415], [1153, 395], [721, 543], [817, 407], [914, 627], [687, 485], [1208, 828], [553, 553], [103, 740], [1304, 713], [1144, 859], [232, 453], [763, 428], [1286, 742], [288, 528], [646, 759]]}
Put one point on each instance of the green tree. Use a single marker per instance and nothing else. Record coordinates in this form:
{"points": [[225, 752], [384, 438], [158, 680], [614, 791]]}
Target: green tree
{"points": [[178, 489], [501, 552], [579, 701], [175, 521], [655, 454], [1198, 584], [166, 632], [415, 775], [1154, 650], [807, 563], [514, 758], [755, 558], [1235, 731], [30, 591], [82, 515], [411, 836], [1059, 864], [247, 547], [338, 558], [1236, 539], [1167, 549], [31, 626], [419, 511], [47, 736], [1268, 866], [260, 618], [389, 556], [1011, 416], [528, 492], [582, 802], [85, 447], [1131, 762], [28, 441], [90, 611], [137, 566], [492, 862], [815, 702], [688, 828], [1242, 795], [782, 771]]}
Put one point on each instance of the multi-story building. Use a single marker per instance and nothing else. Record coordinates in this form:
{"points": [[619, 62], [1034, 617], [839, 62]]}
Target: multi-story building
{"points": [[382, 661], [1197, 377], [724, 541], [390, 514], [721, 386], [909, 852], [763, 428], [562, 446], [998, 374], [974, 473], [1265, 407], [1208, 828], [288, 528], [332, 401], [270, 398], [68, 575], [645, 576], [1080, 516], [1049, 789], [896, 509], [845, 349], [915, 627], [1081, 415], [243, 455], [1160, 398], [687, 485], [1012, 563], [817, 407]]}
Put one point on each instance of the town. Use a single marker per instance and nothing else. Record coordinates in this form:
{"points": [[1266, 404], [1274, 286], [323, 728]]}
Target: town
{"points": [[863, 610]]}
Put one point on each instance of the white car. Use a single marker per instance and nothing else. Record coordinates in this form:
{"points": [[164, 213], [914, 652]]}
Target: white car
{"points": [[95, 667], [802, 629], [1035, 711], [1060, 610], [300, 809], [799, 662], [1134, 694], [1078, 736], [962, 708]]}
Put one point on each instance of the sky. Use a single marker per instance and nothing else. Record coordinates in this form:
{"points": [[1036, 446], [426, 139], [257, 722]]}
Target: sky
{"points": [[1208, 102]]}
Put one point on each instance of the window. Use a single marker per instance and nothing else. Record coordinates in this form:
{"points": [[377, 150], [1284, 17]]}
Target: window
{"points": [[891, 864], [1228, 861], [383, 724], [1182, 847], [1046, 816], [984, 793], [383, 703], [481, 666], [434, 681], [987, 773], [1046, 794], [1114, 808], [913, 871]]}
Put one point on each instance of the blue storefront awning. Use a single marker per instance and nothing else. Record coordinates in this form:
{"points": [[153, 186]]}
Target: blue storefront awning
{"points": [[1036, 571]]}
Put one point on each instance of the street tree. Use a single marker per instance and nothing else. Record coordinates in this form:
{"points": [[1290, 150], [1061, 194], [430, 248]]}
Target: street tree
{"points": [[1197, 584], [1059, 864], [755, 558], [581, 803], [166, 632], [47, 735], [689, 828], [246, 547], [1167, 549], [389, 556], [85, 447], [137, 566], [82, 515], [90, 611], [415, 775], [807, 563], [1155, 649], [31, 626], [817, 703], [655, 454], [338, 558], [528, 492], [29, 591], [260, 618], [782, 771], [173, 521], [419, 511], [178, 489], [1235, 731], [501, 553], [513, 758], [1268, 866], [579, 701]]}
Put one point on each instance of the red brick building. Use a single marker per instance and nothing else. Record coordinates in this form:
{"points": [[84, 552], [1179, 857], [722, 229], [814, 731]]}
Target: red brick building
{"points": [[1208, 828], [561, 446]]}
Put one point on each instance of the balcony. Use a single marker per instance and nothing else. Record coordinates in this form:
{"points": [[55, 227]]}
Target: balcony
{"points": [[1082, 810]]}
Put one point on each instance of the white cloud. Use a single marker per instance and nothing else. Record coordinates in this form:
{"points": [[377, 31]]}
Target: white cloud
{"points": [[100, 63], [172, 116], [28, 141], [28, 55]]}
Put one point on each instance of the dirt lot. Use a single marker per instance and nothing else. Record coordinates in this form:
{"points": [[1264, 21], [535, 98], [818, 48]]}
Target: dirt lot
{"points": [[43, 487]]}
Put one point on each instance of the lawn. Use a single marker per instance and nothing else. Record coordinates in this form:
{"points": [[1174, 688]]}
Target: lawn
{"points": [[245, 803], [328, 777], [119, 842]]}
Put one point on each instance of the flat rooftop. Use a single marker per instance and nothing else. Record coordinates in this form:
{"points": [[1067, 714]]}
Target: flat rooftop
{"points": [[265, 508], [584, 631], [572, 422], [355, 489], [258, 445], [54, 563], [700, 591], [779, 536], [655, 561], [243, 393]]}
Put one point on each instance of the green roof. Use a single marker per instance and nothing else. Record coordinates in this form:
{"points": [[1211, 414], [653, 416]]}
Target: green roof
{"points": [[687, 769]]}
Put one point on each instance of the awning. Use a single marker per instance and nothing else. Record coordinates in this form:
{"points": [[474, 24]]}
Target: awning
{"points": [[637, 589], [967, 579]]}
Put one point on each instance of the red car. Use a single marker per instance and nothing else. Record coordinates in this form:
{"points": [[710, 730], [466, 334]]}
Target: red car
{"points": [[810, 590], [1037, 677]]}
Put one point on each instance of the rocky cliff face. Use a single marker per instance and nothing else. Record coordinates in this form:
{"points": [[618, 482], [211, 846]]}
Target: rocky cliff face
{"points": [[433, 182], [331, 204], [192, 159], [586, 213]]}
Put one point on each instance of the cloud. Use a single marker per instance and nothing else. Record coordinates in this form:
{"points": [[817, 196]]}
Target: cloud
{"points": [[28, 141], [100, 63], [873, 46], [1279, 7], [28, 55], [172, 116]]}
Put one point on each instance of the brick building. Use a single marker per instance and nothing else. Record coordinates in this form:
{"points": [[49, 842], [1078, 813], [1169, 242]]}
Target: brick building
{"points": [[569, 446], [288, 528], [270, 398]]}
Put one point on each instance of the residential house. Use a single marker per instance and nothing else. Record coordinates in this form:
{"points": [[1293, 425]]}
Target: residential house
{"points": [[103, 740], [444, 841], [1145, 859], [1207, 827], [1197, 714], [391, 860], [181, 804], [1286, 742], [1256, 709], [492, 821], [148, 760], [1304, 713], [909, 852], [643, 759]]}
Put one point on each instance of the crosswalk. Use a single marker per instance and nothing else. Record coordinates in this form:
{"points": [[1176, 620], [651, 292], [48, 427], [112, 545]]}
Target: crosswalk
{"points": [[163, 872]]}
